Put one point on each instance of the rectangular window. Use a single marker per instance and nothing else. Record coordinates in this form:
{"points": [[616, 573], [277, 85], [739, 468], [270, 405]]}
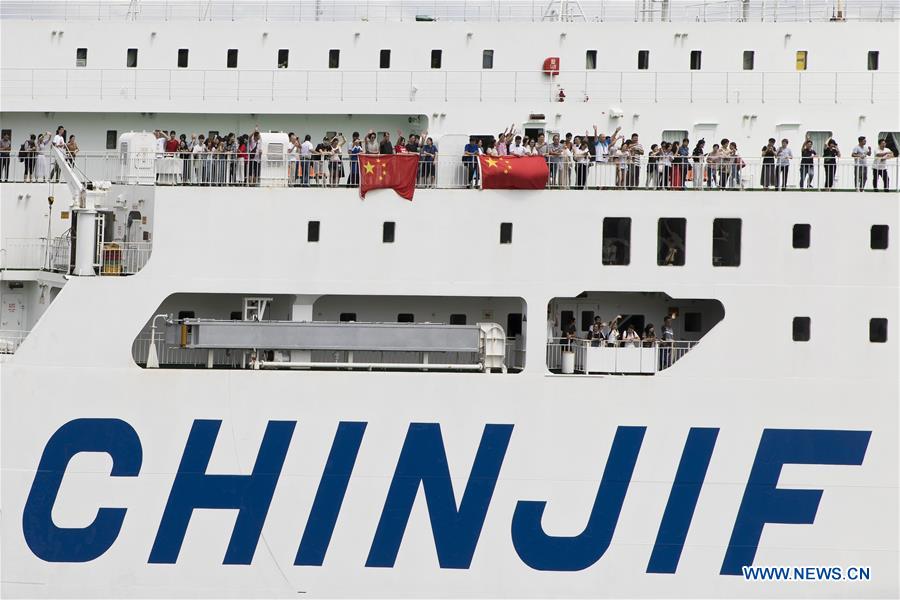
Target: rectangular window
{"points": [[674, 135], [387, 232], [236, 315], [6, 133], [695, 60], [347, 317], [800, 329], [231, 61], [565, 317], [879, 237], [506, 233], [406, 318], [873, 60], [878, 330], [513, 324], [801, 235], [643, 60], [211, 135], [283, 58], [112, 138], [819, 138], [131, 58], [334, 58], [81, 57], [726, 243], [801, 60], [384, 60], [182, 58], [587, 319], [590, 60], [693, 322], [670, 242], [487, 59], [616, 240], [436, 56], [458, 319], [749, 55], [312, 231]]}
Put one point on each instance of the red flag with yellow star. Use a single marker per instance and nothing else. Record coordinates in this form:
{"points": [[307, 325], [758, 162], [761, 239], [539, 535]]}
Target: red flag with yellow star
{"points": [[396, 171], [513, 172]]}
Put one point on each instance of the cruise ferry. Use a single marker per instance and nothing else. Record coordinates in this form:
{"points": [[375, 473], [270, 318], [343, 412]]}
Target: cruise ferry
{"points": [[225, 374]]}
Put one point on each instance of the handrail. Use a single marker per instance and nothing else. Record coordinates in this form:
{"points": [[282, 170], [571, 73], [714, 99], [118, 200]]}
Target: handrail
{"points": [[484, 11], [441, 86]]}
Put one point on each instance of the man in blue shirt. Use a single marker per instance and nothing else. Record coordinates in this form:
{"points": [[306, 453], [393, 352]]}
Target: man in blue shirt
{"points": [[470, 160]]}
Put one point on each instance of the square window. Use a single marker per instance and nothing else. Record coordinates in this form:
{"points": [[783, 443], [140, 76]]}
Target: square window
{"points": [[112, 138], [749, 56], [590, 60], [487, 59], [674, 135], [81, 57], [616, 240], [212, 134], [879, 237], [131, 58], [458, 319], [800, 329], [643, 60], [236, 316], [693, 322], [695, 60], [726, 243], [436, 56], [506, 233], [182, 58], [873, 60], [801, 235], [406, 318], [283, 58], [384, 60], [312, 231], [334, 58], [387, 232], [347, 317], [670, 242], [231, 60], [878, 330], [819, 139], [6, 133], [801, 60]]}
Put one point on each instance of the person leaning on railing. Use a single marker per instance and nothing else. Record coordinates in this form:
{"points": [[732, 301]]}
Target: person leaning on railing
{"points": [[807, 166], [879, 165], [5, 149]]}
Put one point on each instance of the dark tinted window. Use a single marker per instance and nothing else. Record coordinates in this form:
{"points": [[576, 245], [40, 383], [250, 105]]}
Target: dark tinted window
{"points": [[879, 237], [693, 322], [487, 59], [347, 317], [590, 60], [670, 244], [587, 319], [312, 231], [81, 57], [183, 58], [800, 330], [436, 59], [334, 58], [749, 56], [695, 60], [384, 60], [643, 59], [231, 61], [726, 243], [406, 318], [458, 319], [387, 232], [878, 330], [112, 138], [873, 60], [513, 324], [283, 58], [506, 233], [616, 240], [801, 235], [131, 58]]}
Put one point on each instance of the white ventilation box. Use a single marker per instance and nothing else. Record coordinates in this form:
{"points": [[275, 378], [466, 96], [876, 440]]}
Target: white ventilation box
{"points": [[137, 157], [273, 160]]}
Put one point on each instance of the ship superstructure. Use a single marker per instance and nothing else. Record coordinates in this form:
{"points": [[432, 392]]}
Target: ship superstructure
{"points": [[269, 386]]}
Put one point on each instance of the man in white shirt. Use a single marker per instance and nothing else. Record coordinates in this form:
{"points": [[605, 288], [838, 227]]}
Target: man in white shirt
{"points": [[783, 161], [879, 165], [59, 141], [306, 149], [859, 163], [516, 148]]}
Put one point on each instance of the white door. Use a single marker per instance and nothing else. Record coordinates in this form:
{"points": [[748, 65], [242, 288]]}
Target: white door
{"points": [[12, 318]]}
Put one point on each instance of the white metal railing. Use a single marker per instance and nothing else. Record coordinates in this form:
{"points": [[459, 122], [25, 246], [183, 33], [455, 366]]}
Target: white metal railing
{"points": [[35, 254], [123, 258], [516, 11], [11, 339], [620, 358], [176, 356], [453, 172], [486, 85]]}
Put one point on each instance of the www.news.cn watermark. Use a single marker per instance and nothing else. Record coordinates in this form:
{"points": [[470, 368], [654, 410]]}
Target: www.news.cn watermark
{"points": [[811, 573]]}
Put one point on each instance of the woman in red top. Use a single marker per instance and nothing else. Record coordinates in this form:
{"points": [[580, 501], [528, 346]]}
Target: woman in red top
{"points": [[400, 148]]}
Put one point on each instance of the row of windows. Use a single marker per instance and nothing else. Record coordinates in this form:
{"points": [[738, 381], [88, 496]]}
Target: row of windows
{"points": [[513, 320], [671, 239], [877, 330], [487, 59]]}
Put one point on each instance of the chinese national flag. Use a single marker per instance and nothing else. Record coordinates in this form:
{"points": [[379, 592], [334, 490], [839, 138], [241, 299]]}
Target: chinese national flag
{"points": [[396, 171], [513, 172]]}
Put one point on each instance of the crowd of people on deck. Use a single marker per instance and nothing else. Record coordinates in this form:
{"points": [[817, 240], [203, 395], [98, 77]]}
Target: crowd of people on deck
{"points": [[612, 334], [617, 159]]}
